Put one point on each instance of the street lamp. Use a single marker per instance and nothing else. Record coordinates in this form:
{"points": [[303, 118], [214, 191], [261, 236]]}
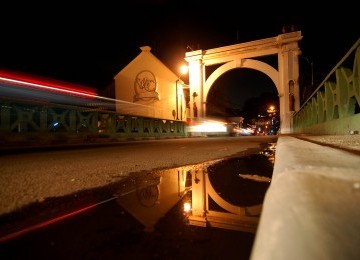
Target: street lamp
{"points": [[183, 70], [271, 110]]}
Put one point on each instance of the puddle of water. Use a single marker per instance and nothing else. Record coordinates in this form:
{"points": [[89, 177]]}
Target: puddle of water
{"points": [[243, 181], [154, 194], [146, 199], [240, 181]]}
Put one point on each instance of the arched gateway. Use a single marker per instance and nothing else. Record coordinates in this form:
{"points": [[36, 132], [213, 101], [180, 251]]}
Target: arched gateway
{"points": [[243, 55]]}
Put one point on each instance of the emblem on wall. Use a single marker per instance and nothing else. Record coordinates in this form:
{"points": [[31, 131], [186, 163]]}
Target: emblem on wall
{"points": [[145, 87]]}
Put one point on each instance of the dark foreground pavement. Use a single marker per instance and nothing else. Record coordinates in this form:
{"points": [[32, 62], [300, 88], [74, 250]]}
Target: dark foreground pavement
{"points": [[108, 232]]}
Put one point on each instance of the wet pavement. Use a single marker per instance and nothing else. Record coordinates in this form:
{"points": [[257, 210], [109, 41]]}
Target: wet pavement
{"points": [[141, 217], [109, 232]]}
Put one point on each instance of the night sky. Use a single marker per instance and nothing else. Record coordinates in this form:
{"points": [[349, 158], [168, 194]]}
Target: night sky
{"points": [[89, 43]]}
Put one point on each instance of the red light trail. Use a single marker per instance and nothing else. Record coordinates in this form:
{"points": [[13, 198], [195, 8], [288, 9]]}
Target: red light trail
{"points": [[51, 221], [24, 80]]}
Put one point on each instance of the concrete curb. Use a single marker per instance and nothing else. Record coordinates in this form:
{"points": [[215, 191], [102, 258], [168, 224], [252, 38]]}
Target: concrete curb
{"points": [[312, 207]]}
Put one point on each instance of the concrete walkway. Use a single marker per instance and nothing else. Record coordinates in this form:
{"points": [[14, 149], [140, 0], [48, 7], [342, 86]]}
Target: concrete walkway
{"points": [[312, 207]]}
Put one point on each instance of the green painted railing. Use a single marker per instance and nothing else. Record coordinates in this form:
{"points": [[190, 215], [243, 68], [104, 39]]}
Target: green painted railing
{"points": [[24, 123], [334, 107]]}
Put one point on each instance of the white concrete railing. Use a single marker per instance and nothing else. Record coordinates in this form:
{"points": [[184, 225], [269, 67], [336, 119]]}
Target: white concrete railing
{"points": [[312, 208]]}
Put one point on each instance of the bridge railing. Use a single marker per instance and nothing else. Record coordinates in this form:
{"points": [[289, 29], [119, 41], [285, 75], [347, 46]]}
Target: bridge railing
{"points": [[334, 107], [23, 123]]}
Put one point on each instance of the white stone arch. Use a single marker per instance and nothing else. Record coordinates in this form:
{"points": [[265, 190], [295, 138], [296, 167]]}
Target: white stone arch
{"points": [[263, 67], [285, 77]]}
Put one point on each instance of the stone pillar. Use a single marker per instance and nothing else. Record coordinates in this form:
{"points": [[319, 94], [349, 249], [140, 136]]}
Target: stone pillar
{"points": [[289, 83], [196, 83]]}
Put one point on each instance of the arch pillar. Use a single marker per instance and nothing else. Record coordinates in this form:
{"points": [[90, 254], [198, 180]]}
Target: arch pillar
{"points": [[196, 84], [289, 94]]}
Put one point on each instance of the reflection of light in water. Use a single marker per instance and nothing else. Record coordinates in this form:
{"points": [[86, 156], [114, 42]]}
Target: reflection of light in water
{"points": [[270, 152], [187, 206], [255, 177], [272, 146], [149, 196]]}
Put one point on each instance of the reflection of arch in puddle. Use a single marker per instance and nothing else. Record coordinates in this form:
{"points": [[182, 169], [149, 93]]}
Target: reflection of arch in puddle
{"points": [[242, 181], [149, 196], [251, 211], [231, 217], [211, 209]]}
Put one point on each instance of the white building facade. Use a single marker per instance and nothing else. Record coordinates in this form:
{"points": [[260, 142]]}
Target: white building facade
{"points": [[147, 88]]}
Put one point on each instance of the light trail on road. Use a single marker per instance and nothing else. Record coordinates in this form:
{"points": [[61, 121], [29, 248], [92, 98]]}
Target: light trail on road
{"points": [[52, 221]]}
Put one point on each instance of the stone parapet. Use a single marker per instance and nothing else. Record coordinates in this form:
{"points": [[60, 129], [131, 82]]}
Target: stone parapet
{"points": [[312, 207]]}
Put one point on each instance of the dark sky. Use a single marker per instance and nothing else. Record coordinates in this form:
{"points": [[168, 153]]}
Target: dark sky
{"points": [[89, 42]]}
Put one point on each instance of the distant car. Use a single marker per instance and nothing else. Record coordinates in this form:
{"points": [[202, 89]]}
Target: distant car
{"points": [[242, 131]]}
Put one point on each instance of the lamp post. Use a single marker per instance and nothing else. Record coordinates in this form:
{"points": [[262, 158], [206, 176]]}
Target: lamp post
{"points": [[183, 70], [183, 96], [177, 113]]}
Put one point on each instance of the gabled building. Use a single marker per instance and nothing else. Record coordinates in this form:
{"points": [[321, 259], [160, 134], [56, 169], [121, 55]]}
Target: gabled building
{"points": [[146, 87]]}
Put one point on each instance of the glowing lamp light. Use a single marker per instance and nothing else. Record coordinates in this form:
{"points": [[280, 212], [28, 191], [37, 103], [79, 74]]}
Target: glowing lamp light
{"points": [[184, 69], [187, 207], [271, 109]]}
